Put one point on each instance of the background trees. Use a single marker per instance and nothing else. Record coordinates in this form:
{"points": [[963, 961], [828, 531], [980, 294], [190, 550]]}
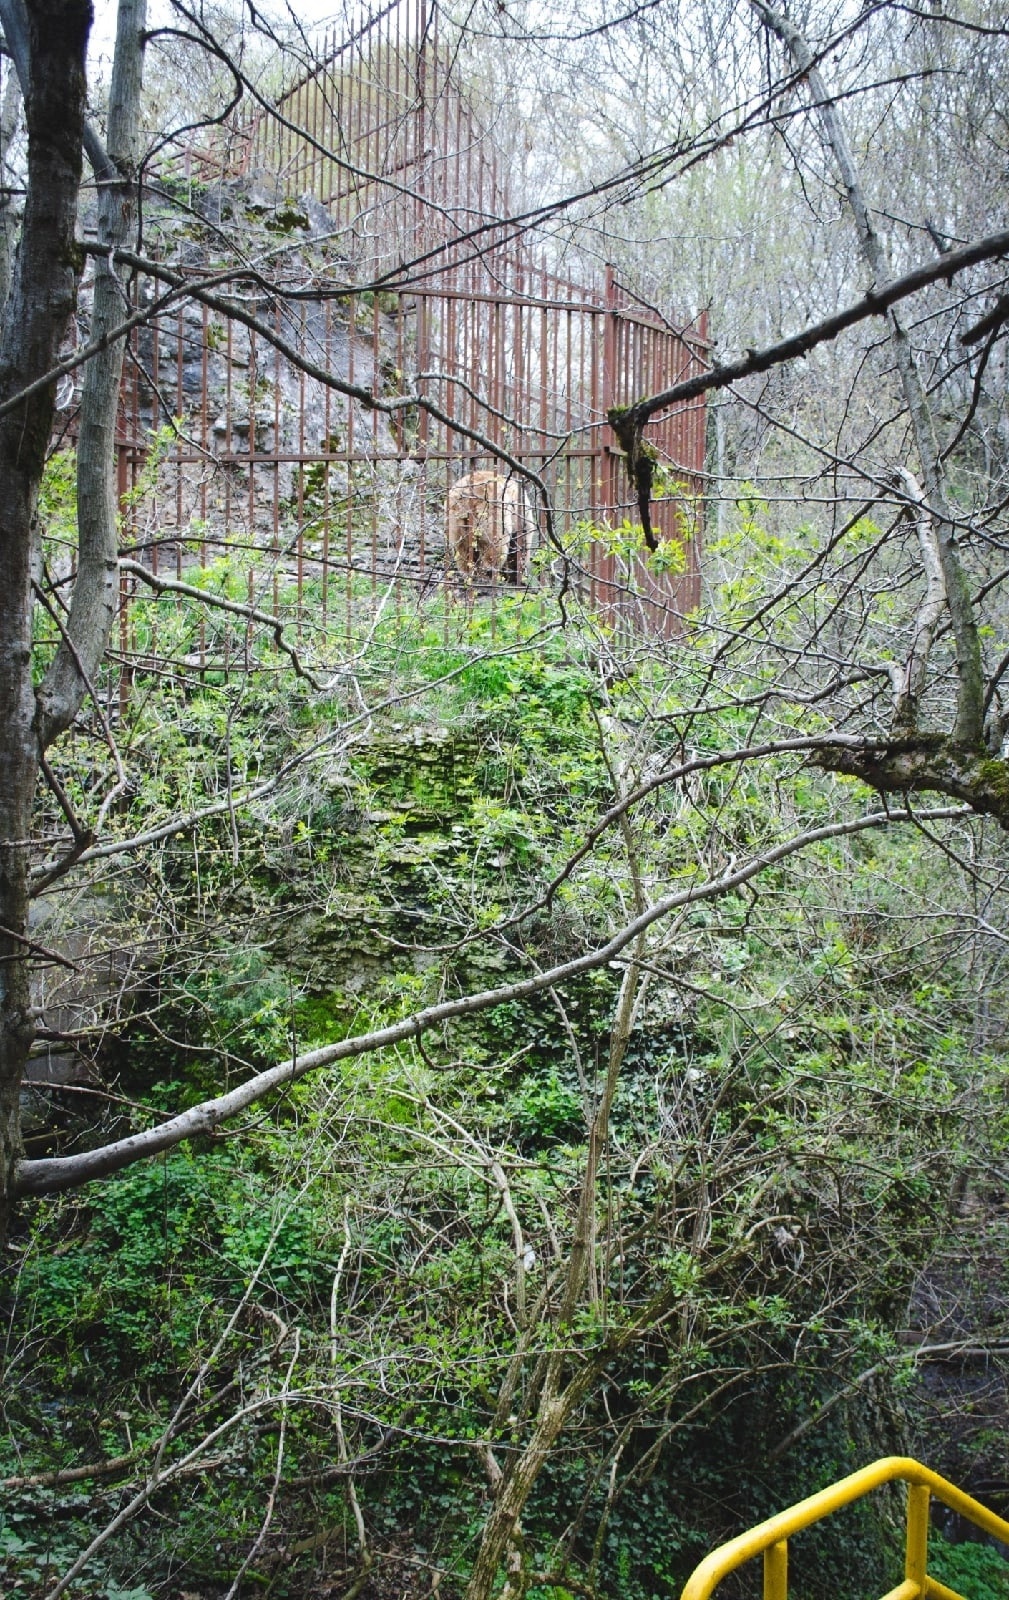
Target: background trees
{"points": [[605, 1067], [51, 46]]}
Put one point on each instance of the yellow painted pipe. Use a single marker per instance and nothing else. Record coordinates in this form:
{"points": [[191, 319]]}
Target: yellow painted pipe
{"points": [[777, 1530]]}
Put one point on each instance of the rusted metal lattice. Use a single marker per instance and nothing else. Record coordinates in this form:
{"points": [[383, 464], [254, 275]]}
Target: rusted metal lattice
{"points": [[320, 501]]}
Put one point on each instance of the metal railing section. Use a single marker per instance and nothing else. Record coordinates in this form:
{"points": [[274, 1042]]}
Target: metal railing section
{"points": [[770, 1538]]}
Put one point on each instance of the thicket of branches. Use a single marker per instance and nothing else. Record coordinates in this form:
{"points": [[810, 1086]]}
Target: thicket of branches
{"points": [[566, 1050]]}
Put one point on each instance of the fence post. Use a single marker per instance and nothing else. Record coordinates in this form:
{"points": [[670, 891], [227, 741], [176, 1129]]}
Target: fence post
{"points": [[916, 1558], [776, 1571]]}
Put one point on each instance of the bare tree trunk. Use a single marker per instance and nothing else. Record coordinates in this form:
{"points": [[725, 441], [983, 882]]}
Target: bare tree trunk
{"points": [[910, 683], [41, 300], [10, 109], [48, 40], [968, 728], [96, 590], [516, 1484], [499, 1542]]}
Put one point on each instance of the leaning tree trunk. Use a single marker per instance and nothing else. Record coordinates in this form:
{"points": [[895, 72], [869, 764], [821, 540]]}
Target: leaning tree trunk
{"points": [[52, 37]]}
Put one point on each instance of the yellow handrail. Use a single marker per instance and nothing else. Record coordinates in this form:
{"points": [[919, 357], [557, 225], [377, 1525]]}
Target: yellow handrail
{"points": [[771, 1538]]}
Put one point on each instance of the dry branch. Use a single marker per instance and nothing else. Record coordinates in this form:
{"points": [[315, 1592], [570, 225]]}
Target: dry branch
{"points": [[54, 1174]]}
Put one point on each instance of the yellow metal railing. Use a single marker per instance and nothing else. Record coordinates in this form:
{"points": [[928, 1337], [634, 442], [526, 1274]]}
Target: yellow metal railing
{"points": [[770, 1538]]}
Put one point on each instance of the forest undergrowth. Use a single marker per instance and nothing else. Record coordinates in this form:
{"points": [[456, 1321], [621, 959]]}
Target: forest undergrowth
{"points": [[289, 1359]]}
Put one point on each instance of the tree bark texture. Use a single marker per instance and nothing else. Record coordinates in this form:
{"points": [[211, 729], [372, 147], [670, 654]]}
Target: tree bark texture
{"points": [[10, 110], [910, 684], [96, 589], [41, 300], [926, 764]]}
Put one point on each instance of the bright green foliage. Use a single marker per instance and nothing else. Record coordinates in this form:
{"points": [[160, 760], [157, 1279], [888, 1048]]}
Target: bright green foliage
{"points": [[376, 1257], [976, 1571]]}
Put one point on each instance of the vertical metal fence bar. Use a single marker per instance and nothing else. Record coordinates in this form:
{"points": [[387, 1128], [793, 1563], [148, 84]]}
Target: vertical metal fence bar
{"points": [[536, 354]]}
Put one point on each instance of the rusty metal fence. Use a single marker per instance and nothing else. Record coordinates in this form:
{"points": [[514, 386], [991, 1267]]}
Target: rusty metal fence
{"points": [[314, 502], [380, 130]]}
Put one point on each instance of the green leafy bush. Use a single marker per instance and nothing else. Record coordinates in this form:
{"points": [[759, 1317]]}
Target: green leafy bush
{"points": [[976, 1571]]}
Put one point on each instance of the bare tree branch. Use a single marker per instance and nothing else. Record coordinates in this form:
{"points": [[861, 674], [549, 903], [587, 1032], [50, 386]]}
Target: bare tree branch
{"points": [[969, 726], [218, 602], [876, 302], [52, 1175]]}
